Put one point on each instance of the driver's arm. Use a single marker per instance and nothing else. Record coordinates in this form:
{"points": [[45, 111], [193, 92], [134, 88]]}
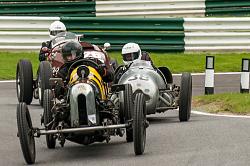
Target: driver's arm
{"points": [[46, 46]]}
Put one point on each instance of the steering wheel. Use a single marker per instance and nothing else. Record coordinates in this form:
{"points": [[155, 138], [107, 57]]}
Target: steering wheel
{"points": [[86, 62]]}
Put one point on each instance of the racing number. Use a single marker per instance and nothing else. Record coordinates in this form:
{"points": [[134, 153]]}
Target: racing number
{"points": [[55, 70]]}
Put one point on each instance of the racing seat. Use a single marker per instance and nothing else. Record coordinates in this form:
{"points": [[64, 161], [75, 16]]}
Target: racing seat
{"points": [[145, 56], [166, 73], [163, 71]]}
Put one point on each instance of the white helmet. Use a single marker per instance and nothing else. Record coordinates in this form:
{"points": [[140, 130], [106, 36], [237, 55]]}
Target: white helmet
{"points": [[131, 52], [55, 28]]}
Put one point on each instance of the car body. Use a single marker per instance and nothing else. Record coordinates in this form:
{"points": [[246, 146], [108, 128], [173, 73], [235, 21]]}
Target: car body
{"points": [[161, 94], [85, 114], [27, 87]]}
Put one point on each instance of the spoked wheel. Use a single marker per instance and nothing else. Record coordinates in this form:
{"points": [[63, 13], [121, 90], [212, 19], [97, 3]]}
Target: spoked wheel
{"points": [[125, 111], [185, 97], [44, 74], [25, 133], [139, 124], [24, 81], [48, 103]]}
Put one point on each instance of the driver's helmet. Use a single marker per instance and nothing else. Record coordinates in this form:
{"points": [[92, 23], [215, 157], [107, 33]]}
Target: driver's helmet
{"points": [[71, 50], [131, 52], [55, 28]]}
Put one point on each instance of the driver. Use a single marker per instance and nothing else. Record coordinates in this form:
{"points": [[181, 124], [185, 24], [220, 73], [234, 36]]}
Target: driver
{"points": [[130, 53], [71, 52], [55, 28]]}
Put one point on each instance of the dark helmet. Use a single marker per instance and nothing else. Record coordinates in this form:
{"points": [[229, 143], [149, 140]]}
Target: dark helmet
{"points": [[71, 51]]}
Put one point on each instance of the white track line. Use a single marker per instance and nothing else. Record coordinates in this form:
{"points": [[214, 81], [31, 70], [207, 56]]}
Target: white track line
{"points": [[200, 74], [193, 74], [219, 115], [7, 81]]}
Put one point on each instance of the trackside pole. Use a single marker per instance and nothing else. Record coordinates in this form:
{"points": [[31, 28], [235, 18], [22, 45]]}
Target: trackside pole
{"points": [[244, 80], [209, 75]]}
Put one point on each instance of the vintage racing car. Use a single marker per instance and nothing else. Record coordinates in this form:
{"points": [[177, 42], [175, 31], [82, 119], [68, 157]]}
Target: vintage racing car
{"points": [[26, 87], [86, 114], [157, 86]]}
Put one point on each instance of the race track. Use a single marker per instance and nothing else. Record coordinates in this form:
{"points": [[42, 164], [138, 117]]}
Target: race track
{"points": [[203, 141]]}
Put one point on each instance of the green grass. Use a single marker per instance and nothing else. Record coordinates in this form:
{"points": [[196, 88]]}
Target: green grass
{"points": [[232, 103], [195, 62], [9, 60], [177, 62]]}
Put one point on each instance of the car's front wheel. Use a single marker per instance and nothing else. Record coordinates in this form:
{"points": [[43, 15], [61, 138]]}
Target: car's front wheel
{"points": [[185, 98], [25, 133], [139, 124]]}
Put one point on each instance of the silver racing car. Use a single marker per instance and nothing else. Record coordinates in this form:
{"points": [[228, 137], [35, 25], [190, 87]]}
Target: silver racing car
{"points": [[156, 84]]}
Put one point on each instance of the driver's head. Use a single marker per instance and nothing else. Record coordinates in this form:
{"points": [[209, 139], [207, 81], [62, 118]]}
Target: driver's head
{"points": [[131, 52], [55, 28], [71, 51]]}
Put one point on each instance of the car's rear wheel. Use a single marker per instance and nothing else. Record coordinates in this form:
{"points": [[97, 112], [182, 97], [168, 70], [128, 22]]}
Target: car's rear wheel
{"points": [[126, 109], [44, 74], [24, 81], [25, 133], [48, 117], [185, 98], [139, 124]]}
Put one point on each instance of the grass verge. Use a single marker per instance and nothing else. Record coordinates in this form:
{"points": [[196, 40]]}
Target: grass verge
{"points": [[226, 103], [176, 62]]}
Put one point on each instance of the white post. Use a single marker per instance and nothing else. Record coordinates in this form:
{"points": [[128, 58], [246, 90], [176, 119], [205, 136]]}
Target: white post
{"points": [[244, 80], [209, 75]]}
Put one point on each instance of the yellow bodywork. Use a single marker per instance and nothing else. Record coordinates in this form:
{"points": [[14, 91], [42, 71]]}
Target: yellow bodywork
{"points": [[93, 76]]}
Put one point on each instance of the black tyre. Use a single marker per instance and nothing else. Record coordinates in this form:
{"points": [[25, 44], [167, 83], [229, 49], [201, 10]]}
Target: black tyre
{"points": [[44, 74], [125, 111], [25, 133], [24, 81], [139, 124], [185, 97], [48, 104]]}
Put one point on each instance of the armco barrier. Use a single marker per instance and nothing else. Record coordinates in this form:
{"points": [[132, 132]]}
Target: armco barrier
{"points": [[149, 8], [126, 8], [170, 42], [126, 24], [226, 34], [151, 34], [48, 8], [24, 32], [169, 34], [227, 7]]}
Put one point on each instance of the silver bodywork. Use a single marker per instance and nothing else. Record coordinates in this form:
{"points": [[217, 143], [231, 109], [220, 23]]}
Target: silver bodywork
{"points": [[86, 90], [143, 77]]}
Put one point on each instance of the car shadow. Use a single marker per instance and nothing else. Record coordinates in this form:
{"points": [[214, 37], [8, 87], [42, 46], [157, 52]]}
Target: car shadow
{"points": [[170, 119], [158, 120], [96, 151]]}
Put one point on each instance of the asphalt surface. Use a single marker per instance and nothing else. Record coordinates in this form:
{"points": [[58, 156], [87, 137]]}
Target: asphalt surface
{"points": [[204, 140]]}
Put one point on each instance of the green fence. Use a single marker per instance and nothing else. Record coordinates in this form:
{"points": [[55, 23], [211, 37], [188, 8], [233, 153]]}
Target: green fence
{"points": [[150, 34], [148, 41], [93, 8], [50, 8], [227, 7]]}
